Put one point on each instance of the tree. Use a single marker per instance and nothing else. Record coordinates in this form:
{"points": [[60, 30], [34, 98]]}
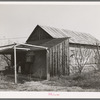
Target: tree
{"points": [[97, 56], [7, 59], [81, 56]]}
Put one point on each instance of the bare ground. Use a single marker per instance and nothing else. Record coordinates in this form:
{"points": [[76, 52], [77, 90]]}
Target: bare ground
{"points": [[84, 83]]}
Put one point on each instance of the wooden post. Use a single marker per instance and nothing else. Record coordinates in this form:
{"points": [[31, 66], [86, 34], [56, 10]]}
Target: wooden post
{"points": [[15, 69], [47, 65]]}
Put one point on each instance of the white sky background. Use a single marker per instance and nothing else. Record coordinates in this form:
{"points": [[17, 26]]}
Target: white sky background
{"points": [[19, 20]]}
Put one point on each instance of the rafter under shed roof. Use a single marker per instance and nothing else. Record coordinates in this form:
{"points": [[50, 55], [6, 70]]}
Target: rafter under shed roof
{"points": [[8, 49]]}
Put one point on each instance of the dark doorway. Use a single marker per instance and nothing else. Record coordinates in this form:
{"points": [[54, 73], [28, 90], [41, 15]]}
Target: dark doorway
{"points": [[29, 62]]}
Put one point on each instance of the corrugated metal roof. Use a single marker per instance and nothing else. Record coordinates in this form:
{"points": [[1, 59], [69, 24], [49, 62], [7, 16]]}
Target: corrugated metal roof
{"points": [[75, 37]]}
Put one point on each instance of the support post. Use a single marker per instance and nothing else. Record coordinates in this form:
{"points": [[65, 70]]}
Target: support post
{"points": [[47, 65], [15, 66]]}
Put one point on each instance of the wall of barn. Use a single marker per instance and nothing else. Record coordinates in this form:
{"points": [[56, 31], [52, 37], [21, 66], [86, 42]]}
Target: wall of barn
{"points": [[58, 59], [39, 66], [38, 34], [83, 58]]}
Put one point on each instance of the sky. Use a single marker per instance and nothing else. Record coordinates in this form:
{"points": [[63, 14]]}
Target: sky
{"points": [[17, 21]]}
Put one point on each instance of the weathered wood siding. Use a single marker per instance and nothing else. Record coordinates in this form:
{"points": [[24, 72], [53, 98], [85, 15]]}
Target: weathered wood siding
{"points": [[58, 59], [38, 34], [83, 55]]}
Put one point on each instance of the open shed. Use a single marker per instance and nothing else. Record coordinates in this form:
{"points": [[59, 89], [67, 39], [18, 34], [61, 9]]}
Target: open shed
{"points": [[40, 60], [50, 52]]}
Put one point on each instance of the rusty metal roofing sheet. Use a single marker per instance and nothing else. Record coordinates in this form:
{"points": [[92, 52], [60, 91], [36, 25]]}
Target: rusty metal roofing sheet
{"points": [[75, 37]]}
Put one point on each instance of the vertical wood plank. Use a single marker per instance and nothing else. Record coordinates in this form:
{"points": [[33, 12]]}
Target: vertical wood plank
{"points": [[67, 54], [60, 58], [52, 60], [58, 47], [50, 55], [55, 60], [68, 58], [47, 64], [63, 58]]}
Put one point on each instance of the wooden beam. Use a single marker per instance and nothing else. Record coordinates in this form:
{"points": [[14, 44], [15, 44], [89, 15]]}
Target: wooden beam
{"points": [[7, 45], [4, 48], [34, 46], [15, 65], [22, 48]]}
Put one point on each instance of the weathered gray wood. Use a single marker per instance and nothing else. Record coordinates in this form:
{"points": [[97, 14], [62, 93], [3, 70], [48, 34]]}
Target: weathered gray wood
{"points": [[38, 34], [50, 61], [63, 58], [47, 64], [55, 60], [66, 67], [67, 53], [60, 58], [58, 47]]}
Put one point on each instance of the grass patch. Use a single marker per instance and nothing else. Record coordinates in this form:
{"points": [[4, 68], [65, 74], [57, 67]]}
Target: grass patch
{"points": [[85, 81], [77, 82]]}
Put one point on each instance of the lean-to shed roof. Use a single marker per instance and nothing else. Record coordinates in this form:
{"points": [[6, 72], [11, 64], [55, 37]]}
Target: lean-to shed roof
{"points": [[8, 49], [75, 37], [50, 43]]}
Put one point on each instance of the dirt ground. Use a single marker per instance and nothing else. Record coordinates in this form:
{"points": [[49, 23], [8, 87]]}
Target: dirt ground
{"points": [[83, 83], [38, 86]]}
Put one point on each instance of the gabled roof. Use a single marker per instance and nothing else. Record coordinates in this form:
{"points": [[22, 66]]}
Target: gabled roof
{"points": [[75, 37]]}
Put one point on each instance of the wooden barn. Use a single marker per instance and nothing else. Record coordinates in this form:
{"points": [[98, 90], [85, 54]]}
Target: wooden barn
{"points": [[50, 52]]}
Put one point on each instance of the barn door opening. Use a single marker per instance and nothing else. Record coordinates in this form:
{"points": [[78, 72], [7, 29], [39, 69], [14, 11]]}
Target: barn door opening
{"points": [[30, 58]]}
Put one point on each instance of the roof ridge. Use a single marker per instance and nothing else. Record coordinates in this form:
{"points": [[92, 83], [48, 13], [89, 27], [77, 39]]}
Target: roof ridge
{"points": [[77, 37], [66, 30]]}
